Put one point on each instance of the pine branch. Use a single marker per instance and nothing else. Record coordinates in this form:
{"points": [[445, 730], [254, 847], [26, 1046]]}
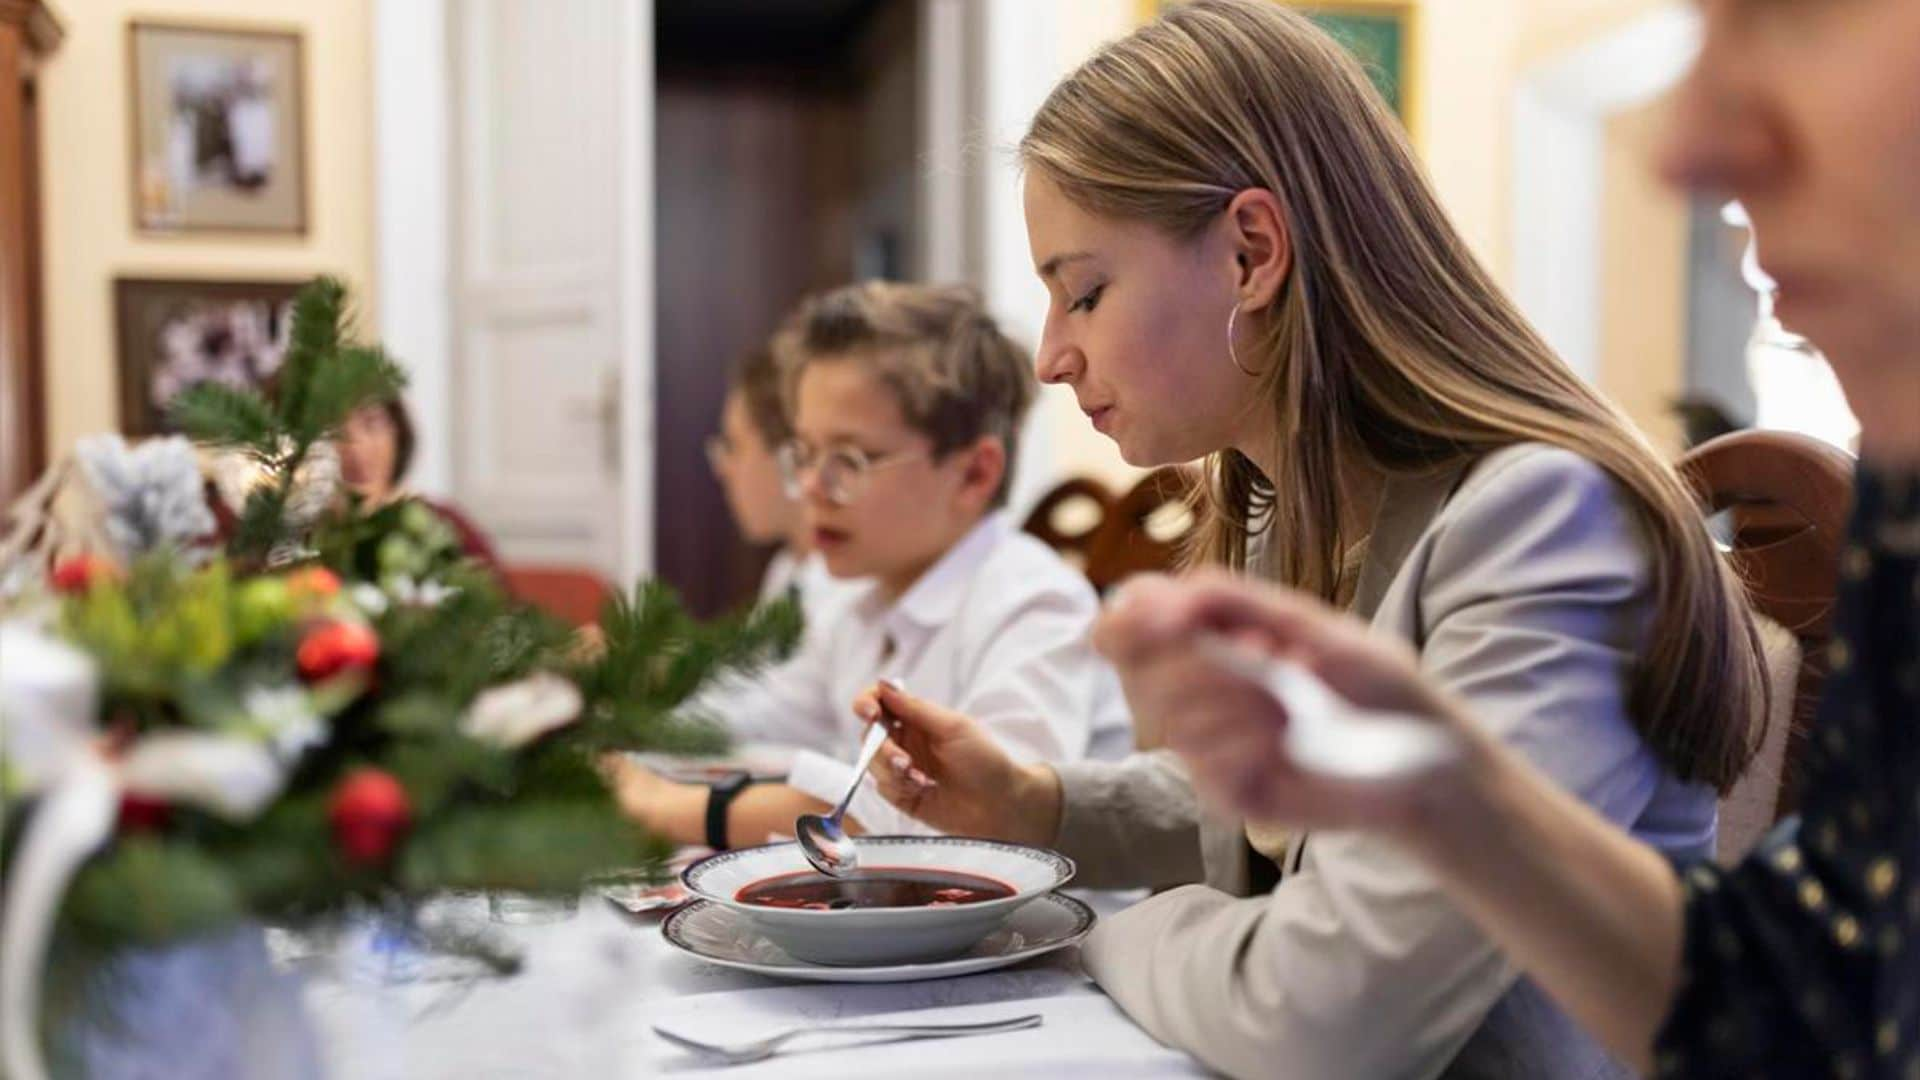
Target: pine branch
{"points": [[636, 726], [147, 890], [436, 771], [284, 863], [222, 415], [262, 523], [530, 846], [344, 380], [656, 656], [319, 323]]}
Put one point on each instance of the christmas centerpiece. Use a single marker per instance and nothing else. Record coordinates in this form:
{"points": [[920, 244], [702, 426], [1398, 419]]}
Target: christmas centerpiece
{"points": [[256, 699]]}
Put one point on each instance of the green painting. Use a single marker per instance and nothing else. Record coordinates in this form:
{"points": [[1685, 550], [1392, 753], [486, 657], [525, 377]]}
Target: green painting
{"points": [[1377, 31], [1379, 39]]}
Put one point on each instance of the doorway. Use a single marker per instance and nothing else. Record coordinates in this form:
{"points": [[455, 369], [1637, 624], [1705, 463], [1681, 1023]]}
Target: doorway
{"points": [[786, 144]]}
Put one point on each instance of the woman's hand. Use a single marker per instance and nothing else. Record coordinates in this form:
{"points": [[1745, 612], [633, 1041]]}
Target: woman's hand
{"points": [[1229, 731], [946, 770]]}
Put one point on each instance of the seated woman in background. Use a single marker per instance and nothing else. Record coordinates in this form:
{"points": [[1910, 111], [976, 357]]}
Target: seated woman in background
{"points": [[376, 448], [1803, 960], [1245, 262]]}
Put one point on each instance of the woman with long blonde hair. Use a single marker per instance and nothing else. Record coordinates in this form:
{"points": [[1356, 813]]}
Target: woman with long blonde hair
{"points": [[1246, 264], [1804, 958]]}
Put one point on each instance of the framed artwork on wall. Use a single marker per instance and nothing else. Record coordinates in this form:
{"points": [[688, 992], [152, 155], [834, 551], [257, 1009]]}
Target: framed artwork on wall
{"points": [[1381, 33], [174, 333], [219, 135]]}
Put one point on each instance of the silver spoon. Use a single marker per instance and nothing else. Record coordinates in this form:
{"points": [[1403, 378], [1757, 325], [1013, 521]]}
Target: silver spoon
{"points": [[822, 839], [1328, 734]]}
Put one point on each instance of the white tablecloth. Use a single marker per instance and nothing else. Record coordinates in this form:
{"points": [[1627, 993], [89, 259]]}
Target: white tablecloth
{"points": [[594, 985]]}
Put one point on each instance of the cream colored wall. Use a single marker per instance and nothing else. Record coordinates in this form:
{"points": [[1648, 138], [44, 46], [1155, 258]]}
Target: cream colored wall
{"points": [[1643, 281], [89, 236], [1076, 448], [1472, 56]]}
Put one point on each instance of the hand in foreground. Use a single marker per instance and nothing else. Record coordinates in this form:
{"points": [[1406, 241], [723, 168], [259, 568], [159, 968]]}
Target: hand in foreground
{"points": [[946, 770], [1230, 732]]}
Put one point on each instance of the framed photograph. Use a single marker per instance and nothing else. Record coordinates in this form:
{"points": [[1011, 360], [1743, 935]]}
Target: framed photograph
{"points": [[219, 138], [1381, 33], [175, 333]]}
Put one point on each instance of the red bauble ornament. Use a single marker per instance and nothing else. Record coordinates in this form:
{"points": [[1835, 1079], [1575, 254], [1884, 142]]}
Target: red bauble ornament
{"points": [[141, 814], [369, 814], [336, 647], [78, 573]]}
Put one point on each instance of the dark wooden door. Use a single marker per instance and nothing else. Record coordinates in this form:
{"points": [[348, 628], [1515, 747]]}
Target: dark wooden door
{"points": [[755, 178]]}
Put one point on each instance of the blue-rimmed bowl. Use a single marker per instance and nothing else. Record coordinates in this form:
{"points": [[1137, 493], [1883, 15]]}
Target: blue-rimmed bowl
{"points": [[861, 937]]}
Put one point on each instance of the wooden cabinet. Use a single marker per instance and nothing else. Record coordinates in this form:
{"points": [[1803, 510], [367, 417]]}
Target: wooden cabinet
{"points": [[29, 32]]}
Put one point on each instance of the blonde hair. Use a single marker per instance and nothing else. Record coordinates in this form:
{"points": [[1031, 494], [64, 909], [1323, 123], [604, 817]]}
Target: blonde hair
{"points": [[934, 347], [1389, 343]]}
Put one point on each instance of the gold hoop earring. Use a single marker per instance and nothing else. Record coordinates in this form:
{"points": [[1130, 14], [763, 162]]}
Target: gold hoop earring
{"points": [[1232, 353]]}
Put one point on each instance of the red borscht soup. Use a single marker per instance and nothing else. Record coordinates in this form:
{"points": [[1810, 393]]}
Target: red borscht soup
{"points": [[878, 887]]}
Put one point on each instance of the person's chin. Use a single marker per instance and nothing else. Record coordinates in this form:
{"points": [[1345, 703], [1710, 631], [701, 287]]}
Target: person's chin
{"points": [[842, 558], [1825, 318], [1146, 453]]}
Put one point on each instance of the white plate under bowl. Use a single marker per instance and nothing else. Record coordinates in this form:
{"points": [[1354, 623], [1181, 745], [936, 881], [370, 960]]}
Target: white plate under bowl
{"points": [[874, 936], [719, 935]]}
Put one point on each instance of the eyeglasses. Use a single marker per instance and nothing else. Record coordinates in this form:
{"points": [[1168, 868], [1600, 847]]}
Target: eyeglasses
{"points": [[843, 470]]}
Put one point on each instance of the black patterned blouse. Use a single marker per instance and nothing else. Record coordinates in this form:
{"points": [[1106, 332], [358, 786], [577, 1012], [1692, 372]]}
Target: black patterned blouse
{"points": [[1804, 960]]}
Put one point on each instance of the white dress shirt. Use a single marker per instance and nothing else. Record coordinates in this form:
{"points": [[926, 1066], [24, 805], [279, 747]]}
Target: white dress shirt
{"points": [[804, 576], [997, 630]]}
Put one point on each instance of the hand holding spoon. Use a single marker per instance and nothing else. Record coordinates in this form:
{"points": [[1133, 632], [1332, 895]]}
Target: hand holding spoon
{"points": [[823, 839], [1326, 733]]}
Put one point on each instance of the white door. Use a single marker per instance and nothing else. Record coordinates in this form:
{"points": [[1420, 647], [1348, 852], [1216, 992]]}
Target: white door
{"points": [[539, 343]]}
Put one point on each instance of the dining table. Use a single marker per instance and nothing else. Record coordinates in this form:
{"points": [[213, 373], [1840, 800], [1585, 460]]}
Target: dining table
{"points": [[595, 980]]}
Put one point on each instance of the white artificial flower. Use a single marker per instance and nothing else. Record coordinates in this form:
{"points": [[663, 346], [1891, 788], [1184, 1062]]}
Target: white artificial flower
{"points": [[417, 593], [229, 775], [517, 713], [285, 717], [49, 697], [369, 599], [152, 493]]}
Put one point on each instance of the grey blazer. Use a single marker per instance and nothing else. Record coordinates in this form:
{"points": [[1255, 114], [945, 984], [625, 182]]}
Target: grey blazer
{"points": [[1526, 589]]}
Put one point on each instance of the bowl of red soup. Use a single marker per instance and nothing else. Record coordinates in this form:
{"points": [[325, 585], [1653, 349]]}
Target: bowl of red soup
{"points": [[915, 899]]}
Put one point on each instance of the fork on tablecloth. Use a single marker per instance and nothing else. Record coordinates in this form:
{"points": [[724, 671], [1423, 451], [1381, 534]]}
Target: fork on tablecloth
{"points": [[761, 1049]]}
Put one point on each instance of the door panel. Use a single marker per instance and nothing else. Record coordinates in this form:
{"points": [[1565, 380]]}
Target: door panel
{"points": [[536, 260]]}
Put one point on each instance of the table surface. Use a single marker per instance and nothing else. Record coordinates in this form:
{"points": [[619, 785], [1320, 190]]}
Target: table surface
{"points": [[596, 981]]}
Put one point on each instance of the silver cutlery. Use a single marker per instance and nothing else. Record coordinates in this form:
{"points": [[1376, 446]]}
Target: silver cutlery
{"points": [[824, 840], [762, 1049]]}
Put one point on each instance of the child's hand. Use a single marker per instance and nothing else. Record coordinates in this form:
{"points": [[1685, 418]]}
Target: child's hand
{"points": [[661, 806], [946, 770]]}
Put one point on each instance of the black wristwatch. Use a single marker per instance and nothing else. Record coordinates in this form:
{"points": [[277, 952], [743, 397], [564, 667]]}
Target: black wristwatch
{"points": [[720, 796]]}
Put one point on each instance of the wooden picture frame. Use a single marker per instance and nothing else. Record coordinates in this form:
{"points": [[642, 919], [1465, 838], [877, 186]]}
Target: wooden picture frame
{"points": [[216, 128], [174, 332], [1384, 34]]}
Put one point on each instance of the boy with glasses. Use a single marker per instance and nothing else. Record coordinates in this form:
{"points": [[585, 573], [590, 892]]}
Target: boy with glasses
{"points": [[906, 403]]}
